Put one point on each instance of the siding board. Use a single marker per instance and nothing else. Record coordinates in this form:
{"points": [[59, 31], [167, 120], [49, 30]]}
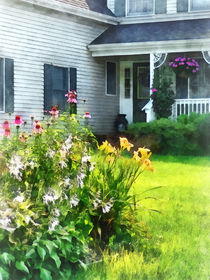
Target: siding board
{"points": [[34, 38], [171, 6]]}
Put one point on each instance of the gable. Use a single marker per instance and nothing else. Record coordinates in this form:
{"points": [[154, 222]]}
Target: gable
{"points": [[99, 6]]}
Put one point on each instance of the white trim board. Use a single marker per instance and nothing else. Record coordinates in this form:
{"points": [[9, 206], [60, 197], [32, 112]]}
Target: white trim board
{"points": [[164, 17], [139, 48]]}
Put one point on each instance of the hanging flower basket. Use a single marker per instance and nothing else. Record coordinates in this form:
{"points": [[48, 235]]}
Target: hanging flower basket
{"points": [[184, 66]]}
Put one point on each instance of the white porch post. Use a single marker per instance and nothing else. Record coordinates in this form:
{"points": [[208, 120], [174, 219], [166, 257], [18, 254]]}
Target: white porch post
{"points": [[150, 115]]}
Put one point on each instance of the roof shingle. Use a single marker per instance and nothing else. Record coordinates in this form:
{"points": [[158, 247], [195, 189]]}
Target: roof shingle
{"points": [[155, 31]]}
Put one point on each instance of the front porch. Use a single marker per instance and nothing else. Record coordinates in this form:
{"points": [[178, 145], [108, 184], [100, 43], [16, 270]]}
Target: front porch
{"points": [[192, 94], [138, 49]]}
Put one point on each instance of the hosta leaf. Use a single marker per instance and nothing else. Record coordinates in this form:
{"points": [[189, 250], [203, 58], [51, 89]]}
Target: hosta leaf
{"points": [[45, 274], [4, 275], [21, 266], [7, 258], [41, 252], [56, 258]]}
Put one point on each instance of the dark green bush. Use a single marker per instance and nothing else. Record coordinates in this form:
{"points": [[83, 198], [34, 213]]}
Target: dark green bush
{"points": [[163, 97], [189, 135]]}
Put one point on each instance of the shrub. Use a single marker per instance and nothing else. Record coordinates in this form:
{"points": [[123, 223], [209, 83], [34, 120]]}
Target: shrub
{"points": [[189, 135]]}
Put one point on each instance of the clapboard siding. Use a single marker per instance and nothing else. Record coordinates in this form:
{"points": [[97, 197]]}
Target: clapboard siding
{"points": [[110, 5], [34, 37], [171, 6]]}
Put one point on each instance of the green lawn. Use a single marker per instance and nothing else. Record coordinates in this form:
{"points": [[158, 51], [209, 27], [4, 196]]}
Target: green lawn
{"points": [[179, 248]]}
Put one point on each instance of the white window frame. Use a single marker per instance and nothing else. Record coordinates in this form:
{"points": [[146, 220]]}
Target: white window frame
{"points": [[191, 10], [106, 78], [3, 109], [137, 13]]}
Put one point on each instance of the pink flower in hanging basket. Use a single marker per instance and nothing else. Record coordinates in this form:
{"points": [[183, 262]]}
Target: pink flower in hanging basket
{"points": [[183, 65], [154, 90]]}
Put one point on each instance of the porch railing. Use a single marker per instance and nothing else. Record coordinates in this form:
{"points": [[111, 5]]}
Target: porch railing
{"points": [[187, 106]]}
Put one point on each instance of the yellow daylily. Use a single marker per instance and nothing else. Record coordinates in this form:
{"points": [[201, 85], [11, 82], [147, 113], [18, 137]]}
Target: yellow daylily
{"points": [[124, 144], [110, 149], [136, 156], [145, 153], [107, 148], [104, 145], [148, 165]]}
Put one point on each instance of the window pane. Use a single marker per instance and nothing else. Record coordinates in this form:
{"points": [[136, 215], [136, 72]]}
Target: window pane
{"points": [[60, 78], [200, 83], [200, 4], [127, 82], [111, 78], [140, 6], [1, 85]]}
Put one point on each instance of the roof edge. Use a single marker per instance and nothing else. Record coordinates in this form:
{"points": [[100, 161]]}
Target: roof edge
{"points": [[172, 46], [70, 9]]}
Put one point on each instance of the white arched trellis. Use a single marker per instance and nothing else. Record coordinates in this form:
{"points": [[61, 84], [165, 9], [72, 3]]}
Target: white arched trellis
{"points": [[206, 56], [159, 59]]}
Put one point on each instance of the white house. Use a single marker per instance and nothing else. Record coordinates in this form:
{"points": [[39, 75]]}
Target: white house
{"points": [[107, 51]]}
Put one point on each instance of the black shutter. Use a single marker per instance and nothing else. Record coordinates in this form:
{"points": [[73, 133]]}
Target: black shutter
{"points": [[73, 79], [120, 8], [160, 6], [9, 85], [111, 76], [1, 84], [182, 5], [48, 72]]}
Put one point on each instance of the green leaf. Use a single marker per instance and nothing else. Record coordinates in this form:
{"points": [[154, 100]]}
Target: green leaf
{"points": [[50, 246], [21, 266], [41, 252], [4, 275], [7, 258], [30, 253], [56, 258], [45, 274]]}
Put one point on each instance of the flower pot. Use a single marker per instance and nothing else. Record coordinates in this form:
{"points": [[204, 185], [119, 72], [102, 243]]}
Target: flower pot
{"points": [[121, 123]]}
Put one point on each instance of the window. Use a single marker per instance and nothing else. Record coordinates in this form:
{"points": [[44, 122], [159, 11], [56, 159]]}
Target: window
{"points": [[111, 78], [127, 83], [6, 85], [57, 81], [199, 84], [140, 6], [196, 5]]}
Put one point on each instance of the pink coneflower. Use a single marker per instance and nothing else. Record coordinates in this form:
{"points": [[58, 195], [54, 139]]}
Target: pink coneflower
{"points": [[5, 124], [18, 120], [72, 96], [38, 128], [87, 115], [7, 132], [154, 90], [54, 112]]}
